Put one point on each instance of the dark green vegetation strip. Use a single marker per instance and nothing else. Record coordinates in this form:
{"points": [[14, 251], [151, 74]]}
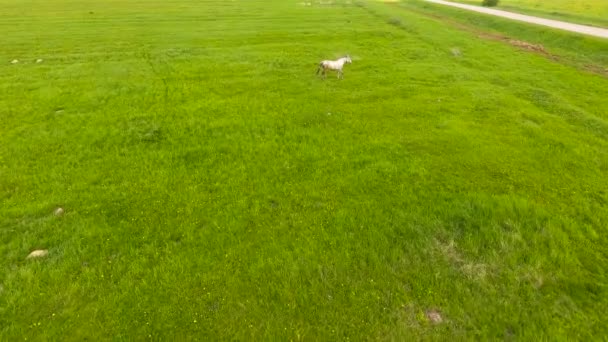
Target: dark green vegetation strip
{"points": [[214, 188]]}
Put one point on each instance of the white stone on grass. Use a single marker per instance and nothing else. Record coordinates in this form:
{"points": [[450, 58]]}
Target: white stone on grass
{"points": [[39, 253]]}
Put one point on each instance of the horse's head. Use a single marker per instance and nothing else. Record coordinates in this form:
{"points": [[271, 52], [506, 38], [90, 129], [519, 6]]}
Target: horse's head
{"points": [[347, 59]]}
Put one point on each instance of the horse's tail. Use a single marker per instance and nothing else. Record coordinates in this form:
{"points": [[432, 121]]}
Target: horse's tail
{"points": [[321, 67]]}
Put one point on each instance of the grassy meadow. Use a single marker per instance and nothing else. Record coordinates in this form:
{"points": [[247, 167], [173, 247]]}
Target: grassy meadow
{"points": [[590, 12], [214, 188]]}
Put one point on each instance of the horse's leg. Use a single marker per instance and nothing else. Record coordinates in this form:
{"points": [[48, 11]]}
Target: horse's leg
{"points": [[324, 73], [340, 75]]}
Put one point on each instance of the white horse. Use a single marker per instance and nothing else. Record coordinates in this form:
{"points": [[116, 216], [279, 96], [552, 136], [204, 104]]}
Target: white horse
{"points": [[334, 65]]}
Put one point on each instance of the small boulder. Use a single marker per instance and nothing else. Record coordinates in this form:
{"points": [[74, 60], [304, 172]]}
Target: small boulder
{"points": [[58, 212], [39, 60], [14, 61], [39, 253]]}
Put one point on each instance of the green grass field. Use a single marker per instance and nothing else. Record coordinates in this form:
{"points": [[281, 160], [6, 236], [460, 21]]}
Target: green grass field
{"points": [[591, 12], [214, 188]]}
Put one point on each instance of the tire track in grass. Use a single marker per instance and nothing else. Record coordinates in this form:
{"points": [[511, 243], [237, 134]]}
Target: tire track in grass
{"points": [[147, 57]]}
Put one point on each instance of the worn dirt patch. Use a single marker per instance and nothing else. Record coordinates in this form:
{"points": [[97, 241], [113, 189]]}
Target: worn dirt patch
{"points": [[434, 316], [528, 46], [471, 270], [596, 69]]}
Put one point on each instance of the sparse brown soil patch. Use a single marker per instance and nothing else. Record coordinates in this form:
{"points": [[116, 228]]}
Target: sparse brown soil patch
{"points": [[528, 46], [434, 316]]}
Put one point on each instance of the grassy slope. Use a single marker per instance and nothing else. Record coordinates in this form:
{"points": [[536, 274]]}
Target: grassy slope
{"points": [[583, 52], [214, 187], [590, 12]]}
